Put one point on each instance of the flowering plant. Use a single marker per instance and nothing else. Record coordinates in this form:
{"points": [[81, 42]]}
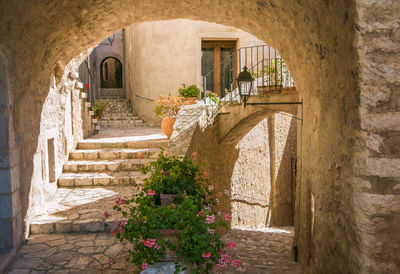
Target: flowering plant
{"points": [[213, 96], [192, 214], [168, 106], [86, 88]]}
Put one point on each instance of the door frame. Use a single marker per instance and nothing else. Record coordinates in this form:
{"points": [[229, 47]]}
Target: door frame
{"points": [[217, 44]]}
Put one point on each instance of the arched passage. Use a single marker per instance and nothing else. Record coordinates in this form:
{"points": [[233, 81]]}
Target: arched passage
{"points": [[111, 73], [316, 39]]}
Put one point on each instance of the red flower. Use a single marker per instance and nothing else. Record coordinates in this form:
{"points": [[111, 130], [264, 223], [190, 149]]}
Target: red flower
{"points": [[106, 215], [87, 85], [195, 153]]}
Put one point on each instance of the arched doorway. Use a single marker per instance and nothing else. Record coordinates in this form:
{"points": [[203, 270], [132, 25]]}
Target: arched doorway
{"points": [[111, 73]]}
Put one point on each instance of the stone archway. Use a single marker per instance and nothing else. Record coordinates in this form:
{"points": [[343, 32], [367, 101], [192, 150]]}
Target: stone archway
{"points": [[321, 44], [111, 73]]}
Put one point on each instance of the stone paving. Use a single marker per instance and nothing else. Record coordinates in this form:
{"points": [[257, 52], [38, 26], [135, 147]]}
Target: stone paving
{"points": [[260, 252], [80, 210]]}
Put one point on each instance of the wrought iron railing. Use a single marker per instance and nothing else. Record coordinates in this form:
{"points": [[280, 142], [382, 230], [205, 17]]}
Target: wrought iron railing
{"points": [[264, 63], [267, 68]]}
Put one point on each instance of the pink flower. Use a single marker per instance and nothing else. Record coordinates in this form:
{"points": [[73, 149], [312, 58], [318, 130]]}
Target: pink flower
{"points": [[173, 206], [237, 263], [120, 201], [219, 266], [148, 164], [231, 244], [110, 261], [151, 192], [144, 266], [205, 173], [139, 156], [227, 217], [112, 232], [210, 188], [151, 243], [208, 255], [210, 219], [201, 212], [106, 215], [195, 153]]}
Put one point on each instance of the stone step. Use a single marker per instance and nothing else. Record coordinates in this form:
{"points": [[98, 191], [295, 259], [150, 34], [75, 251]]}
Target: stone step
{"points": [[81, 210], [119, 119], [150, 141], [120, 123], [105, 165], [112, 154], [117, 115], [124, 126], [100, 179]]}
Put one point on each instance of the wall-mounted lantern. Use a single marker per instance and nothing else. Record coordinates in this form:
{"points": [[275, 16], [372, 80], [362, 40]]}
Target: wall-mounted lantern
{"points": [[245, 84]]}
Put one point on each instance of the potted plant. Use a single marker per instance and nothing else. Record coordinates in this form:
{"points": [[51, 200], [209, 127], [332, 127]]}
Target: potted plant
{"points": [[98, 109], [189, 94], [184, 229], [212, 97], [274, 70], [83, 91], [167, 108]]}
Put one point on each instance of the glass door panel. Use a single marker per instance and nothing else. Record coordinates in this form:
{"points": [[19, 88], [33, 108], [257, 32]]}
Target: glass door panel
{"points": [[207, 66]]}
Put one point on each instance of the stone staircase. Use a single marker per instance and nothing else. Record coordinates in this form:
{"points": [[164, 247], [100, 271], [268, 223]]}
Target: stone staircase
{"points": [[119, 114], [97, 172]]}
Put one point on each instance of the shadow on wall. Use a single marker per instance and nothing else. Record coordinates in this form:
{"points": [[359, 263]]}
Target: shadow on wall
{"points": [[263, 180]]}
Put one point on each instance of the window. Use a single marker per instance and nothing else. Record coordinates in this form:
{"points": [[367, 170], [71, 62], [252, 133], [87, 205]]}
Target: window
{"points": [[218, 65]]}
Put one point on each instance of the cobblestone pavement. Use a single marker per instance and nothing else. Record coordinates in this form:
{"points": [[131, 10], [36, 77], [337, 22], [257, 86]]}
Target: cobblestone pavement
{"points": [[89, 253], [80, 209]]}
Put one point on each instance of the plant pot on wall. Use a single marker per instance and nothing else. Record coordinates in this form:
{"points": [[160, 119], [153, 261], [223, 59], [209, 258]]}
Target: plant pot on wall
{"points": [[167, 125]]}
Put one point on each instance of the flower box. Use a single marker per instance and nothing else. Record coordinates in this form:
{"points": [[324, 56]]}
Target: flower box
{"points": [[97, 127], [88, 104], [91, 112], [94, 121], [83, 95], [78, 85]]}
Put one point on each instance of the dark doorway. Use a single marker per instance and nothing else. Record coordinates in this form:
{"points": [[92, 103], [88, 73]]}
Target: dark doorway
{"points": [[111, 73]]}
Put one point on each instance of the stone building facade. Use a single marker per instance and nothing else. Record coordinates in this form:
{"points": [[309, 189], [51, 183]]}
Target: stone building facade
{"points": [[344, 58]]}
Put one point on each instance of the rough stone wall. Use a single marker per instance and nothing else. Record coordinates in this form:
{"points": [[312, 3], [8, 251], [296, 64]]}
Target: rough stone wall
{"points": [[376, 174], [64, 122], [323, 44], [262, 188]]}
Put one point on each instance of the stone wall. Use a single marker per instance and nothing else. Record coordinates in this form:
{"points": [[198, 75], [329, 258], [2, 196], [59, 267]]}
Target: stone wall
{"points": [[376, 174], [340, 53], [262, 188], [163, 55], [64, 122]]}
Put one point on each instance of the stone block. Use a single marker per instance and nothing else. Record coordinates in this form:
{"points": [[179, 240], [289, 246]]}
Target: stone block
{"points": [[101, 181], [63, 227], [76, 155], [90, 225], [90, 156], [98, 167], [83, 181], [46, 228], [109, 155], [66, 182]]}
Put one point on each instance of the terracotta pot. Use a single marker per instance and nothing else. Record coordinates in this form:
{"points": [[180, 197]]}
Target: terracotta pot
{"points": [[167, 199], [167, 125], [189, 100]]}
